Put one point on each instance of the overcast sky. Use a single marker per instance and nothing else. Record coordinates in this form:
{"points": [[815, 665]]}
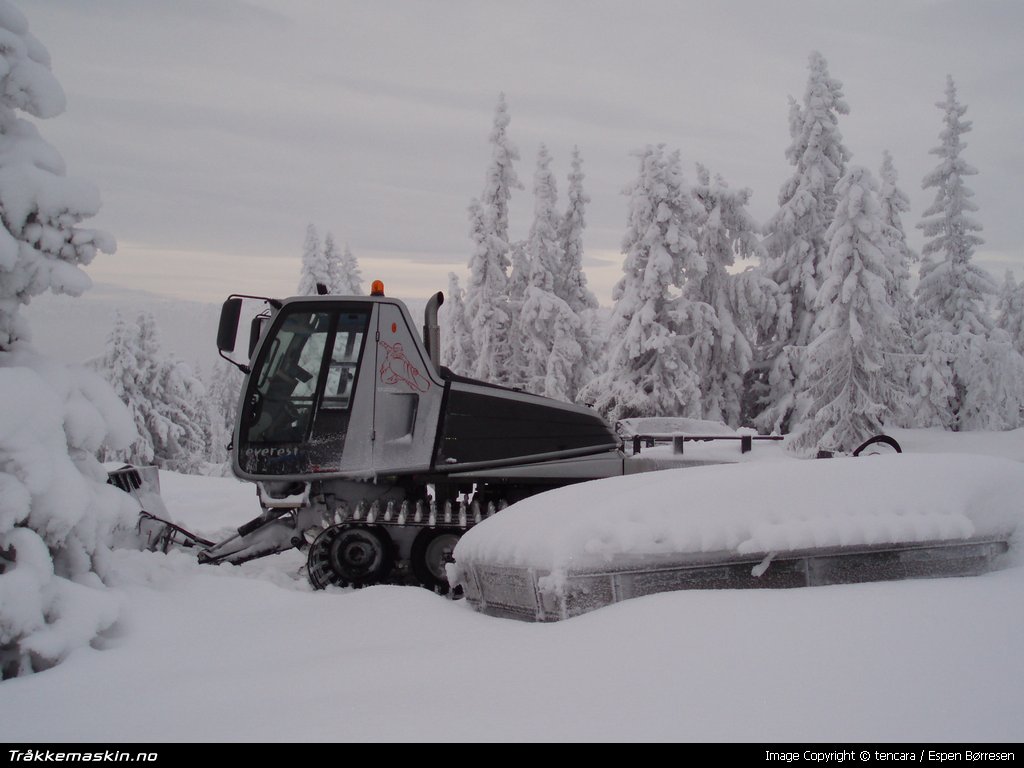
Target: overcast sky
{"points": [[216, 130]]}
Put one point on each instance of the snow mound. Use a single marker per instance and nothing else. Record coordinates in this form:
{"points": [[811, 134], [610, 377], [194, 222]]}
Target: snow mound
{"points": [[754, 508]]}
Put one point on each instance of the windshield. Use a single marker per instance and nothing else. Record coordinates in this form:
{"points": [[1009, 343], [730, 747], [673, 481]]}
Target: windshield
{"points": [[301, 388]]}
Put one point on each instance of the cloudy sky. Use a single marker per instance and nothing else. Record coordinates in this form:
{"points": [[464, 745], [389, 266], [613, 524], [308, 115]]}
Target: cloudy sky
{"points": [[216, 130]]}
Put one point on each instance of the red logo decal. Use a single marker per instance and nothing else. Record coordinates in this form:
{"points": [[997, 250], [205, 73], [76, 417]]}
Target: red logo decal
{"points": [[396, 367]]}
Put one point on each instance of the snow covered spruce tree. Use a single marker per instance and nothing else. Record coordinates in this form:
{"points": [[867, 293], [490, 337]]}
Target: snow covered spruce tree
{"points": [[853, 377], [796, 241], [1010, 311], [515, 295], [181, 397], [519, 273], [963, 379], [346, 277], [1008, 341], [122, 366], [893, 202], [724, 332], [486, 303], [538, 262], [487, 308], [58, 517], [547, 326], [166, 400], [571, 282], [647, 370], [337, 272], [456, 338], [333, 260], [222, 383], [315, 267]]}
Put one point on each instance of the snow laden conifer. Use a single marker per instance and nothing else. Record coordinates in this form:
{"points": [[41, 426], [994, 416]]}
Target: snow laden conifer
{"points": [[338, 272], [519, 271], [165, 398], [42, 246], [58, 517], [180, 396], [647, 369], [570, 280], [456, 338], [334, 270], [550, 336], [315, 267], [222, 383], [1010, 311], [894, 202], [501, 177], [539, 261], [796, 240], [547, 326], [124, 366], [515, 295], [486, 297], [853, 376], [350, 269], [486, 303], [960, 383], [724, 331], [346, 277]]}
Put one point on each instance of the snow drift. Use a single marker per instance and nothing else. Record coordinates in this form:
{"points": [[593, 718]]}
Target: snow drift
{"points": [[753, 508]]}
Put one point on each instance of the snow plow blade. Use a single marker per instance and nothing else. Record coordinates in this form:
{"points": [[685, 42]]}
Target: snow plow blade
{"points": [[155, 532], [531, 595]]}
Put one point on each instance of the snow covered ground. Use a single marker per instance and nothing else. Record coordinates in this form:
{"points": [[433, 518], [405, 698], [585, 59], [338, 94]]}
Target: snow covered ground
{"points": [[250, 653]]}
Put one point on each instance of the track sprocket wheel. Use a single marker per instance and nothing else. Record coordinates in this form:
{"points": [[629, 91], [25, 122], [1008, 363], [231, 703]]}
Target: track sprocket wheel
{"points": [[349, 555]]}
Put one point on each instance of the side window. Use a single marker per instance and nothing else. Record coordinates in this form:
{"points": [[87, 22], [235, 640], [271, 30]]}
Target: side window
{"points": [[344, 360]]}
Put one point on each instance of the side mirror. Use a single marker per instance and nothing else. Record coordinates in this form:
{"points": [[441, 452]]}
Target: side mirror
{"points": [[251, 310], [227, 331]]}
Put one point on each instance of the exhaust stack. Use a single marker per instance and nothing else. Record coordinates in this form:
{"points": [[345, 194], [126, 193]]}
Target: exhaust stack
{"points": [[431, 330]]}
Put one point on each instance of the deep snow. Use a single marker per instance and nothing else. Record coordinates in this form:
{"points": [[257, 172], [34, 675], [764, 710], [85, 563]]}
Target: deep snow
{"points": [[249, 653]]}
